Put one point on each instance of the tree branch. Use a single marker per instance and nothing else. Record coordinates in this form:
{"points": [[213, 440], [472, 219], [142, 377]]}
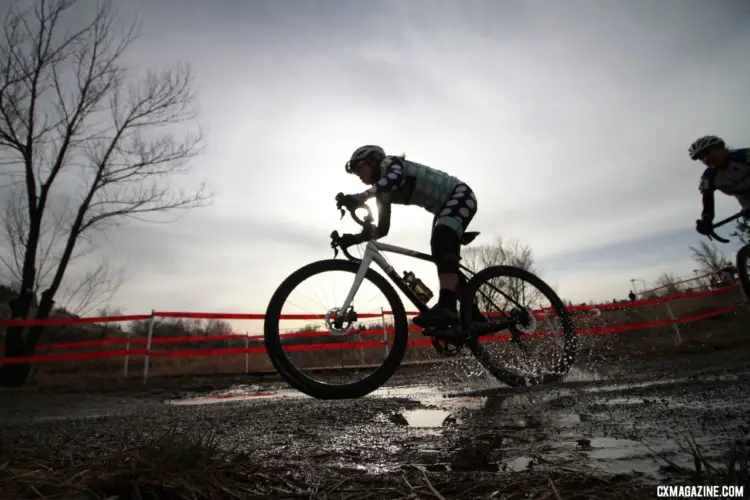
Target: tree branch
{"points": [[71, 109]]}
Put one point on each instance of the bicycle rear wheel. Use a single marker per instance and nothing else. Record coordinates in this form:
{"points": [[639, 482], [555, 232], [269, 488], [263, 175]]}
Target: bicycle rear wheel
{"points": [[282, 348], [743, 264], [494, 290]]}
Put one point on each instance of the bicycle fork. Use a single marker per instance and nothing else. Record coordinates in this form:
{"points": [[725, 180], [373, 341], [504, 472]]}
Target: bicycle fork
{"points": [[344, 314]]}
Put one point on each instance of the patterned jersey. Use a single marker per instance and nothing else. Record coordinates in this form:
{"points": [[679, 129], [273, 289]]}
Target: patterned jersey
{"points": [[734, 180], [405, 182]]}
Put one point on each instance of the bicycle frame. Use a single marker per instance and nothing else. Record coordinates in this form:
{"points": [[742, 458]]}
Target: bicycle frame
{"points": [[373, 254]]}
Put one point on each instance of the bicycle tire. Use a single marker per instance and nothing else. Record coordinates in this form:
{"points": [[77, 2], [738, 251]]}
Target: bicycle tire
{"points": [[742, 256], [564, 364], [315, 388]]}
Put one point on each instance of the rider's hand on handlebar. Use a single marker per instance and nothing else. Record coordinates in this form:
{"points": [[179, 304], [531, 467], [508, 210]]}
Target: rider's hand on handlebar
{"points": [[704, 227], [348, 201], [347, 240]]}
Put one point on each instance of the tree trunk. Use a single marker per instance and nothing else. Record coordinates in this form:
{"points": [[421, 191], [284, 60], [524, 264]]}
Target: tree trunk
{"points": [[16, 374], [11, 375], [35, 333]]}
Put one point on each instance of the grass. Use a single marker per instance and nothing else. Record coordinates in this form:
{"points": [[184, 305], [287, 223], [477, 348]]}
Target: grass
{"points": [[735, 471], [181, 467]]}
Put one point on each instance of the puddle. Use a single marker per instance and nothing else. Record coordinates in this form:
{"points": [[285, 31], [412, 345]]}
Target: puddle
{"points": [[605, 448], [372, 469], [425, 394], [518, 464], [426, 418], [729, 377], [578, 375], [635, 385], [569, 419], [618, 455], [417, 392], [240, 393], [557, 419], [621, 401]]}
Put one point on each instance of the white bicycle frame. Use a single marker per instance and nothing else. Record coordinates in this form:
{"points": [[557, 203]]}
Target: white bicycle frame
{"points": [[372, 253]]}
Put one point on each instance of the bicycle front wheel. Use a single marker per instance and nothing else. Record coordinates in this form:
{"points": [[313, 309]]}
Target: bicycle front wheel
{"points": [[743, 264], [358, 346], [541, 322]]}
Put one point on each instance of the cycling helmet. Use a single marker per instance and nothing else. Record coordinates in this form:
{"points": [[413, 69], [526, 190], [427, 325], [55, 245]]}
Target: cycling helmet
{"points": [[703, 143], [362, 153]]}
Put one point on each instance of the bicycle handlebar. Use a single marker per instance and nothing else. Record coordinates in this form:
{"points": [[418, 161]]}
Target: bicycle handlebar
{"points": [[366, 224], [713, 236]]}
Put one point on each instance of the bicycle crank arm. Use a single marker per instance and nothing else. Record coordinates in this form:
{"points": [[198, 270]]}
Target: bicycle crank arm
{"points": [[489, 328]]}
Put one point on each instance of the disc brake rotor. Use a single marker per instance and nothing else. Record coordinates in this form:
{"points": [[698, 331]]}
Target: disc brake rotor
{"points": [[339, 322]]}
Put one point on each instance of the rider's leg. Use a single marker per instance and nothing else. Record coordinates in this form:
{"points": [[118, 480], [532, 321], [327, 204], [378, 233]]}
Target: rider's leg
{"points": [[443, 244], [476, 313], [449, 226]]}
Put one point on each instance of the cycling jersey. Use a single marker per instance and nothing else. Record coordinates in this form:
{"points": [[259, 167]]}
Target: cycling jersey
{"points": [[405, 182], [733, 180]]}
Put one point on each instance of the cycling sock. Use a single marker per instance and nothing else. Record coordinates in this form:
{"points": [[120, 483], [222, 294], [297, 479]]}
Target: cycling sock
{"points": [[447, 299]]}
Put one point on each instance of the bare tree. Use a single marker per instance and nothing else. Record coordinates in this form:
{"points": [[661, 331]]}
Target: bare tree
{"points": [[74, 116], [511, 253], [495, 294], [217, 327], [80, 294], [709, 258], [667, 284], [94, 289], [742, 230]]}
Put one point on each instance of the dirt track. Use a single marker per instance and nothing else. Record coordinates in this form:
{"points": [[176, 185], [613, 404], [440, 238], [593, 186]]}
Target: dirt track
{"points": [[446, 416]]}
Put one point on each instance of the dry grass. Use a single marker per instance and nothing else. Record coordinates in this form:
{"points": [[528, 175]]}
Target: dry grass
{"points": [[735, 471], [178, 467]]}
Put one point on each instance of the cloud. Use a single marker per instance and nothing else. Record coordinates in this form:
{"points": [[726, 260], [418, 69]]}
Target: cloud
{"points": [[570, 120]]}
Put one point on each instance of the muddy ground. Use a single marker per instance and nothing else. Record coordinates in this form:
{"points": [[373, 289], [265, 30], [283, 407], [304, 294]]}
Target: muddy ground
{"points": [[610, 417]]}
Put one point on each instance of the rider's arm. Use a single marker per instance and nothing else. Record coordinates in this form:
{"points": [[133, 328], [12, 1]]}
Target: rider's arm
{"points": [[383, 203], [707, 197], [708, 205], [391, 180]]}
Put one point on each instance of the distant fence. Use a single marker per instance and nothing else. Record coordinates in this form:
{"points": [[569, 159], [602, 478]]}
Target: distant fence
{"points": [[699, 282], [697, 303]]}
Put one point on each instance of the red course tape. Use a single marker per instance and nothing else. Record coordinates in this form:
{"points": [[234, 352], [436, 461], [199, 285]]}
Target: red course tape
{"points": [[300, 347]]}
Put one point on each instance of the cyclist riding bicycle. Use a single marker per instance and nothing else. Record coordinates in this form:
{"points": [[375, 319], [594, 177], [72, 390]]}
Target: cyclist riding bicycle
{"points": [[394, 179], [728, 170]]}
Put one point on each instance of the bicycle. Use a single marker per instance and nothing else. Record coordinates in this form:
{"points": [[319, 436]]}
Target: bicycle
{"points": [[339, 320], [743, 254]]}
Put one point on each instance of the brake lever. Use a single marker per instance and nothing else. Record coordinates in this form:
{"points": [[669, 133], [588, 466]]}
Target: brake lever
{"points": [[334, 243], [713, 236]]}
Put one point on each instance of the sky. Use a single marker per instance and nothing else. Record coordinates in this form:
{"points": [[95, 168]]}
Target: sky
{"points": [[570, 121]]}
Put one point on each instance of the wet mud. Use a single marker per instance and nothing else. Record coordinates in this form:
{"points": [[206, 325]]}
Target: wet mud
{"points": [[444, 417]]}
